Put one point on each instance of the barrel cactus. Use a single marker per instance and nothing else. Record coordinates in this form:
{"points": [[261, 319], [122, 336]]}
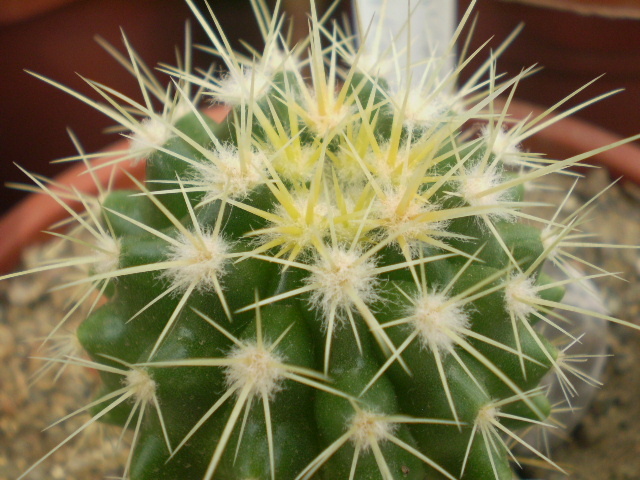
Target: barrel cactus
{"points": [[340, 280]]}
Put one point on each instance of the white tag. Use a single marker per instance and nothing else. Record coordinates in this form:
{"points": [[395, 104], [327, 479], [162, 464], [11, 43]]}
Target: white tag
{"points": [[432, 23]]}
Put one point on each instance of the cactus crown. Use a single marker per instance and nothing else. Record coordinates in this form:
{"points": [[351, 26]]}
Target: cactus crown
{"points": [[340, 280]]}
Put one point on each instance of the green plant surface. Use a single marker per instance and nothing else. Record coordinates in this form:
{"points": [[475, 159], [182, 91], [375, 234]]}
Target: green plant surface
{"points": [[341, 280]]}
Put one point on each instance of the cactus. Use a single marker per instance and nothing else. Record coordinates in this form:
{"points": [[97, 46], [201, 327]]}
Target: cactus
{"points": [[340, 280]]}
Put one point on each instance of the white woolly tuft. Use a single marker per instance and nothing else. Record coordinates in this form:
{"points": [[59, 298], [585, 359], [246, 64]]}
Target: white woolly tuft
{"points": [[238, 88], [338, 276], [150, 134], [410, 223], [230, 175], [519, 293], [476, 181], [433, 317], [487, 416], [203, 260], [108, 251], [143, 386], [322, 123], [255, 366], [369, 429], [502, 145]]}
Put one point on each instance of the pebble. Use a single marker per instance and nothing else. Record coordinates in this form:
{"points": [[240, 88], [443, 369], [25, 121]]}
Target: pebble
{"points": [[7, 342]]}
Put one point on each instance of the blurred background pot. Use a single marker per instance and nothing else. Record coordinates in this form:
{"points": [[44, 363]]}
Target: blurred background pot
{"points": [[573, 43]]}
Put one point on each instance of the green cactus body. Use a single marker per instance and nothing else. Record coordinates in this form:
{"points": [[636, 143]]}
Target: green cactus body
{"points": [[322, 285]]}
